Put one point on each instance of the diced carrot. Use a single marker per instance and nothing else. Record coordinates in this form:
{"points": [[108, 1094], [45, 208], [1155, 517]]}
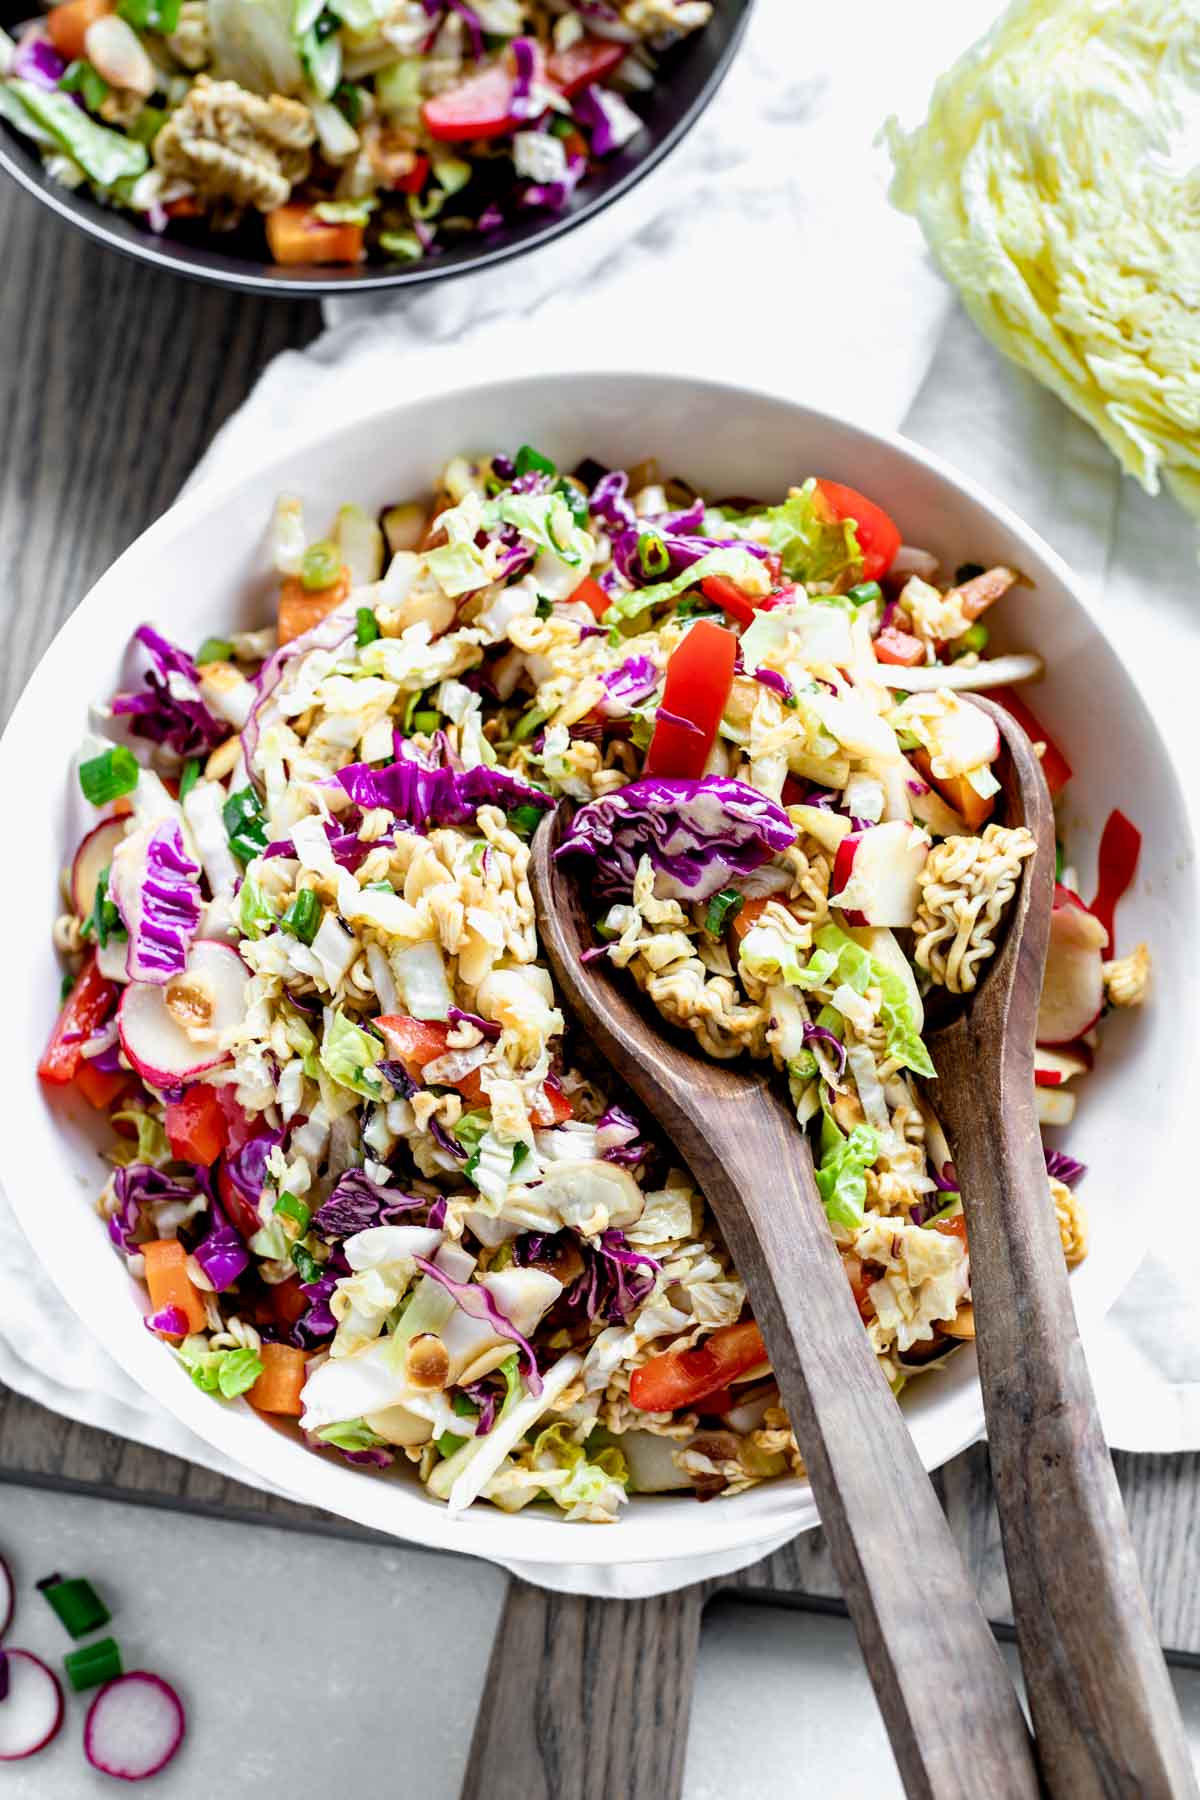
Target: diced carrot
{"points": [[287, 1301], [301, 608], [278, 1388], [186, 207], [955, 1227], [957, 792], [296, 235], [170, 1284], [67, 24], [900, 648], [99, 1087]]}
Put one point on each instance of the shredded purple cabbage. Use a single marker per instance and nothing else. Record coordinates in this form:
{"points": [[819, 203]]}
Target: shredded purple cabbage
{"points": [[555, 194], [487, 1399], [771, 678], [623, 1144], [394, 1071], [523, 103], [422, 793], [318, 1323], [172, 712], [138, 1185], [627, 686], [609, 501], [357, 1203], [945, 1179], [1064, 1168], [477, 1303], [222, 1255], [169, 1319], [445, 1139], [486, 1027], [821, 1034], [36, 61], [682, 552], [247, 1167], [614, 1280], [349, 850], [699, 835], [158, 899]]}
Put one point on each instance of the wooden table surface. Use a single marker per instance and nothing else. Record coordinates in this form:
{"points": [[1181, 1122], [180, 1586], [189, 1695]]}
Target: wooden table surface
{"points": [[113, 379]]}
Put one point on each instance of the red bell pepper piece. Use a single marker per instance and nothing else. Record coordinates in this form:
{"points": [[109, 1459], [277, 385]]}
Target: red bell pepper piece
{"points": [[1055, 766], [480, 107], [699, 677], [593, 596], [556, 1102], [196, 1128], [591, 59], [878, 534], [900, 648], [679, 1378], [414, 181], [85, 1008], [1120, 844], [729, 597], [242, 1214]]}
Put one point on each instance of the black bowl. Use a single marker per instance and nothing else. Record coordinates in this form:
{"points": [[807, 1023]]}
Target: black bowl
{"points": [[690, 75]]}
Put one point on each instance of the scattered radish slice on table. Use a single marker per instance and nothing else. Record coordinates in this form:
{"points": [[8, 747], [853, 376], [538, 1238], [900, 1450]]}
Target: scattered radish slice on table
{"points": [[32, 1709], [134, 1726]]}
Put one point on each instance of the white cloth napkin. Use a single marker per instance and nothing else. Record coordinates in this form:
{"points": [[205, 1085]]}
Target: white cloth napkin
{"points": [[764, 249]]}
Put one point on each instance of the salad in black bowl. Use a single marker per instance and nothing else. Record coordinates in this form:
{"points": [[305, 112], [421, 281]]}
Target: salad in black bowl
{"points": [[293, 143]]}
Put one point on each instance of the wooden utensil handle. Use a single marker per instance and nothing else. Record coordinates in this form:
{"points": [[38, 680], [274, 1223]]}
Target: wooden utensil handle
{"points": [[586, 1699], [946, 1697], [1102, 1703]]}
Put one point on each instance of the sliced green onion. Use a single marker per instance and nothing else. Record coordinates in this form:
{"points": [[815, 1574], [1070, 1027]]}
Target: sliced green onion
{"points": [[320, 566], [65, 988], [379, 887], [303, 916], [478, 852], [974, 638], [189, 776], [151, 15], [463, 1407], [1060, 859], [213, 650], [366, 626], [528, 724], [865, 593], [349, 101], [94, 1664], [307, 1266], [723, 908], [425, 720], [108, 776], [104, 921], [804, 1066], [411, 706], [447, 1444], [524, 820], [147, 125], [529, 461], [653, 554], [544, 608], [288, 1207], [576, 501], [82, 79], [242, 814], [77, 1604], [404, 244]]}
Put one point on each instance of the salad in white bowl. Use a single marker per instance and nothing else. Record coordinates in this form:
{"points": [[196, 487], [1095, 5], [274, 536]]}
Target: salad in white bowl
{"points": [[370, 1178]]}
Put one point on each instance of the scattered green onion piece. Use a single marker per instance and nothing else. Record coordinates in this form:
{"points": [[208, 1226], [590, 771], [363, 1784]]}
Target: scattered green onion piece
{"points": [[379, 887], [242, 814], [529, 461], [303, 916], [307, 1266], [463, 1407], [288, 1207], [804, 1066], [65, 987], [478, 852], [1060, 859], [320, 566], [93, 1665], [865, 593], [82, 79], [425, 720], [544, 608], [447, 1444], [411, 706], [528, 724], [576, 501], [147, 125], [77, 1604], [524, 820], [723, 908], [213, 650], [189, 776], [403, 244], [366, 626], [104, 921], [974, 638], [108, 776], [653, 554]]}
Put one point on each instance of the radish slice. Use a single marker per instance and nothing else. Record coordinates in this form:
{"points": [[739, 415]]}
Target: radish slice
{"points": [[1073, 984], [212, 987], [134, 1726], [877, 874], [32, 1710], [94, 853], [8, 1597]]}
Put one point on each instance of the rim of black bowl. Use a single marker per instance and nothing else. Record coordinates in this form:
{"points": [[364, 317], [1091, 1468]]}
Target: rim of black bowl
{"points": [[693, 70]]}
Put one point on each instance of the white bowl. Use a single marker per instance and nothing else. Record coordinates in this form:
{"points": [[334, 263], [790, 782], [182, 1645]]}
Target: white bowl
{"points": [[203, 567]]}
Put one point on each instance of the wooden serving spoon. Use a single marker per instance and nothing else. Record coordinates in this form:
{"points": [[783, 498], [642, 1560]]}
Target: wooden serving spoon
{"points": [[946, 1698], [1102, 1703]]}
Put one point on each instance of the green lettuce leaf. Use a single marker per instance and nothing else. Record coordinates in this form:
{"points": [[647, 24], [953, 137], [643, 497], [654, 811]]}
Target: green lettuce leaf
{"points": [[814, 545], [105, 156], [861, 971], [842, 1175], [347, 1052], [224, 1372], [746, 570]]}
